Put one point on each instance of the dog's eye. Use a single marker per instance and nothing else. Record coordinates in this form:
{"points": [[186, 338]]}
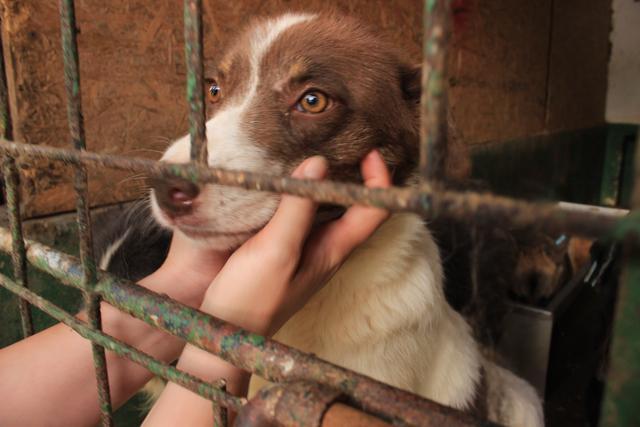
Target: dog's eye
{"points": [[313, 102], [214, 92]]}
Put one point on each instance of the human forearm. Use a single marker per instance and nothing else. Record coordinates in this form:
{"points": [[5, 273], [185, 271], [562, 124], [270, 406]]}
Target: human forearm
{"points": [[52, 372], [268, 279], [179, 406]]}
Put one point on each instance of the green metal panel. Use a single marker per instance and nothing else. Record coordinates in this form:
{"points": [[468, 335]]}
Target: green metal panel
{"points": [[622, 396], [559, 166], [618, 166]]}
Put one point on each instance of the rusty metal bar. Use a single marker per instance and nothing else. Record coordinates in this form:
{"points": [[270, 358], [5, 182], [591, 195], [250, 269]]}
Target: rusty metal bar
{"points": [[12, 193], [433, 103], [76, 129], [620, 407], [301, 404], [483, 208], [195, 79], [293, 404], [18, 258], [266, 358], [168, 372], [339, 415], [220, 413]]}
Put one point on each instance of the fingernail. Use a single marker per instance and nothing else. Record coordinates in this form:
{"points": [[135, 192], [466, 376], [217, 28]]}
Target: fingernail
{"points": [[315, 168], [373, 153]]}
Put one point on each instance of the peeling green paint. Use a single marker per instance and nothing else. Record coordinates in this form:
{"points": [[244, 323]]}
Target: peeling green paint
{"points": [[68, 30], [433, 104]]}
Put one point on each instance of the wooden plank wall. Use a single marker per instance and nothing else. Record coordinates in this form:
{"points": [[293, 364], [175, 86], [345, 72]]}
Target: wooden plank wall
{"points": [[519, 68]]}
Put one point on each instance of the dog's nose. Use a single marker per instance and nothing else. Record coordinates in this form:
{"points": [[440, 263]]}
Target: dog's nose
{"points": [[175, 195]]}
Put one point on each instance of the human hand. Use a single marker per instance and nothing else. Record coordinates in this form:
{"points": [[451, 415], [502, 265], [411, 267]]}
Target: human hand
{"points": [[271, 276]]}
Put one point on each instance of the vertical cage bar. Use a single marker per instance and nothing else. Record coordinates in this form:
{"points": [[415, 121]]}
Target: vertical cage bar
{"points": [[76, 128], [433, 102], [195, 79], [18, 257], [220, 413], [12, 192], [623, 379]]}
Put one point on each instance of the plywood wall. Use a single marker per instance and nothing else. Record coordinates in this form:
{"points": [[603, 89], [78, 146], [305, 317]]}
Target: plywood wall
{"points": [[519, 68], [623, 91]]}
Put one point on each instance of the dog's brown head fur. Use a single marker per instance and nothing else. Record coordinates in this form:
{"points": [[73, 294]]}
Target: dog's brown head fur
{"points": [[289, 88], [371, 98]]}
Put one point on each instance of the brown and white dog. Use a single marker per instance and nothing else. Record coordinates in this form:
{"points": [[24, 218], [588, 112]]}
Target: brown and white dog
{"points": [[300, 85]]}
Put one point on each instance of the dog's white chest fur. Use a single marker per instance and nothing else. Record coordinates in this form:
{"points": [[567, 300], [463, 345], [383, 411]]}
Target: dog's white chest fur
{"points": [[384, 314]]}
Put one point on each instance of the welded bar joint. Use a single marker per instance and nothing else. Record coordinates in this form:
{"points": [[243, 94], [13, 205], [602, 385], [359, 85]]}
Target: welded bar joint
{"points": [[195, 79], [76, 129], [433, 103]]}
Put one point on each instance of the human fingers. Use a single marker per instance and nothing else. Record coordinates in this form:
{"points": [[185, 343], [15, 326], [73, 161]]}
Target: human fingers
{"points": [[292, 221], [359, 222]]}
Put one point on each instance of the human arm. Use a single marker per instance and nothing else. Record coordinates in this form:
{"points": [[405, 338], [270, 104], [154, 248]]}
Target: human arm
{"points": [[281, 267], [49, 378]]}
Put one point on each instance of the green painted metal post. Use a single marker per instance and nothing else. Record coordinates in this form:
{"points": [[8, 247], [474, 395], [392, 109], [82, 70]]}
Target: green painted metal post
{"points": [[195, 79], [12, 192], [214, 392], [433, 103], [76, 128], [622, 395]]}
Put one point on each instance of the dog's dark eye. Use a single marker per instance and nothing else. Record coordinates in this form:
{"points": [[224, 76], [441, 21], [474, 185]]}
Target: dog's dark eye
{"points": [[214, 92], [313, 102]]}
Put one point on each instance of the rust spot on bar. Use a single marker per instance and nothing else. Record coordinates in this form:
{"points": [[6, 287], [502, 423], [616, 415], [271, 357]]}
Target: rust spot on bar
{"points": [[433, 103], [195, 79], [293, 404], [339, 415]]}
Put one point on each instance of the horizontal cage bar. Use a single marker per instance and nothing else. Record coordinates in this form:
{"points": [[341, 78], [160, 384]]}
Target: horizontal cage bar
{"points": [[264, 357], [159, 368], [425, 200]]}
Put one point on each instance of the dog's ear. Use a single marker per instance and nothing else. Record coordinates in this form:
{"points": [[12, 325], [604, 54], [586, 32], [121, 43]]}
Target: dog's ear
{"points": [[411, 81]]}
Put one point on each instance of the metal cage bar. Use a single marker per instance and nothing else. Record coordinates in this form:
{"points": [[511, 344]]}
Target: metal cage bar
{"points": [[264, 357], [428, 201], [12, 192], [433, 102], [76, 129], [195, 79], [261, 356], [168, 372], [197, 120], [220, 413], [18, 259]]}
